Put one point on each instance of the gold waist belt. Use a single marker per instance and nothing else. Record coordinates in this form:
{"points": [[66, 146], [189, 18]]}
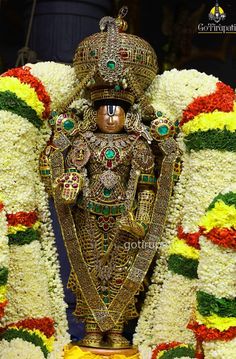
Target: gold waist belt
{"points": [[106, 209]]}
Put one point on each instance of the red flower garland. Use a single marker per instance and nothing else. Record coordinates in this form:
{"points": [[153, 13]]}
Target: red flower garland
{"points": [[44, 325], [163, 346], [2, 308], [203, 333], [192, 239], [25, 218], [222, 99], [24, 75], [223, 237], [1, 206]]}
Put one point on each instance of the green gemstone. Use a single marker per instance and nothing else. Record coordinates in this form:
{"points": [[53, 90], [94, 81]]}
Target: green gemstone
{"points": [[159, 114], [145, 178], [122, 209], [90, 205], [106, 300], [106, 210], [113, 210], [97, 208], [110, 154], [117, 88], [52, 121], [92, 52], [163, 130], [68, 125], [111, 65], [107, 192]]}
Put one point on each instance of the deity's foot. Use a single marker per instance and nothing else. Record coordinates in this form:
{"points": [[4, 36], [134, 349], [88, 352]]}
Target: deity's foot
{"points": [[116, 340], [93, 340]]}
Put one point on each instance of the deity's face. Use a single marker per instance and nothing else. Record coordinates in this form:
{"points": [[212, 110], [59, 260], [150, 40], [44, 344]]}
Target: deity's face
{"points": [[110, 119]]}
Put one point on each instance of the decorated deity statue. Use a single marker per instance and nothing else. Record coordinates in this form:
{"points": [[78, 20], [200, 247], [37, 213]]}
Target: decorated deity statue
{"points": [[106, 141], [104, 177]]}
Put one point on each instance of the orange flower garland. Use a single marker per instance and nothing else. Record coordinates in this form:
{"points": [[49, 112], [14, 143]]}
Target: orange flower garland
{"points": [[24, 218], [44, 325], [24, 75], [222, 100], [203, 333], [2, 308], [223, 237], [192, 239]]}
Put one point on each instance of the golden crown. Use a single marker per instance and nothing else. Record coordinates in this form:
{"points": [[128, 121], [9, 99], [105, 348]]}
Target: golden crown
{"points": [[115, 65]]}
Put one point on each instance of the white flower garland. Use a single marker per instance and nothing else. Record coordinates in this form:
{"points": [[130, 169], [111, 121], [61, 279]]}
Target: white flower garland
{"points": [[58, 306], [211, 171], [20, 146], [58, 79], [18, 348], [216, 263], [27, 293], [174, 90], [220, 349], [207, 172], [174, 309], [148, 318]]}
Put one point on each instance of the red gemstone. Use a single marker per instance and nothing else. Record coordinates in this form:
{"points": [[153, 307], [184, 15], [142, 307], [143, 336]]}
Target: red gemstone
{"points": [[105, 227], [119, 281], [109, 164]]}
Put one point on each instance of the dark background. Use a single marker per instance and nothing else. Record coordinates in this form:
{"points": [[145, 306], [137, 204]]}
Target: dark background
{"points": [[169, 26]]}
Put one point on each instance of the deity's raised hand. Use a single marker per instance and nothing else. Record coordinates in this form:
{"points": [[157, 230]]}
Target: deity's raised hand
{"points": [[71, 184]]}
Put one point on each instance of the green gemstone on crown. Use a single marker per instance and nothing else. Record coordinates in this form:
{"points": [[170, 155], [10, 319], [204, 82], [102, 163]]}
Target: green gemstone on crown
{"points": [[117, 88], [110, 154], [159, 114], [68, 125], [111, 65], [163, 130]]}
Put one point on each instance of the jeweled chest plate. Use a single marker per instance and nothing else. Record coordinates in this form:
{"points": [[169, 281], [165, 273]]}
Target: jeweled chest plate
{"points": [[110, 156]]}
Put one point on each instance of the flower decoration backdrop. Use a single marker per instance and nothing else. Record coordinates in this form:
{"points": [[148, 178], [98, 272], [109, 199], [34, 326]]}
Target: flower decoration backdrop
{"points": [[193, 284], [31, 295]]}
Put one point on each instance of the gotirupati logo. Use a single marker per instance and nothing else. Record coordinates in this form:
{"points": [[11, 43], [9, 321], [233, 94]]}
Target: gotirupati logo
{"points": [[217, 14]]}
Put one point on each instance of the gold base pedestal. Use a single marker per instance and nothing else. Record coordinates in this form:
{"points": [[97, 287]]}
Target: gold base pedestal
{"points": [[108, 352], [76, 352]]}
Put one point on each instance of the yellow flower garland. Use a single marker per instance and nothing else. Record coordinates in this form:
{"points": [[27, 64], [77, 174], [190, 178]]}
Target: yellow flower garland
{"points": [[211, 121], [180, 247], [21, 228], [220, 216], [23, 91], [3, 291], [216, 322]]}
